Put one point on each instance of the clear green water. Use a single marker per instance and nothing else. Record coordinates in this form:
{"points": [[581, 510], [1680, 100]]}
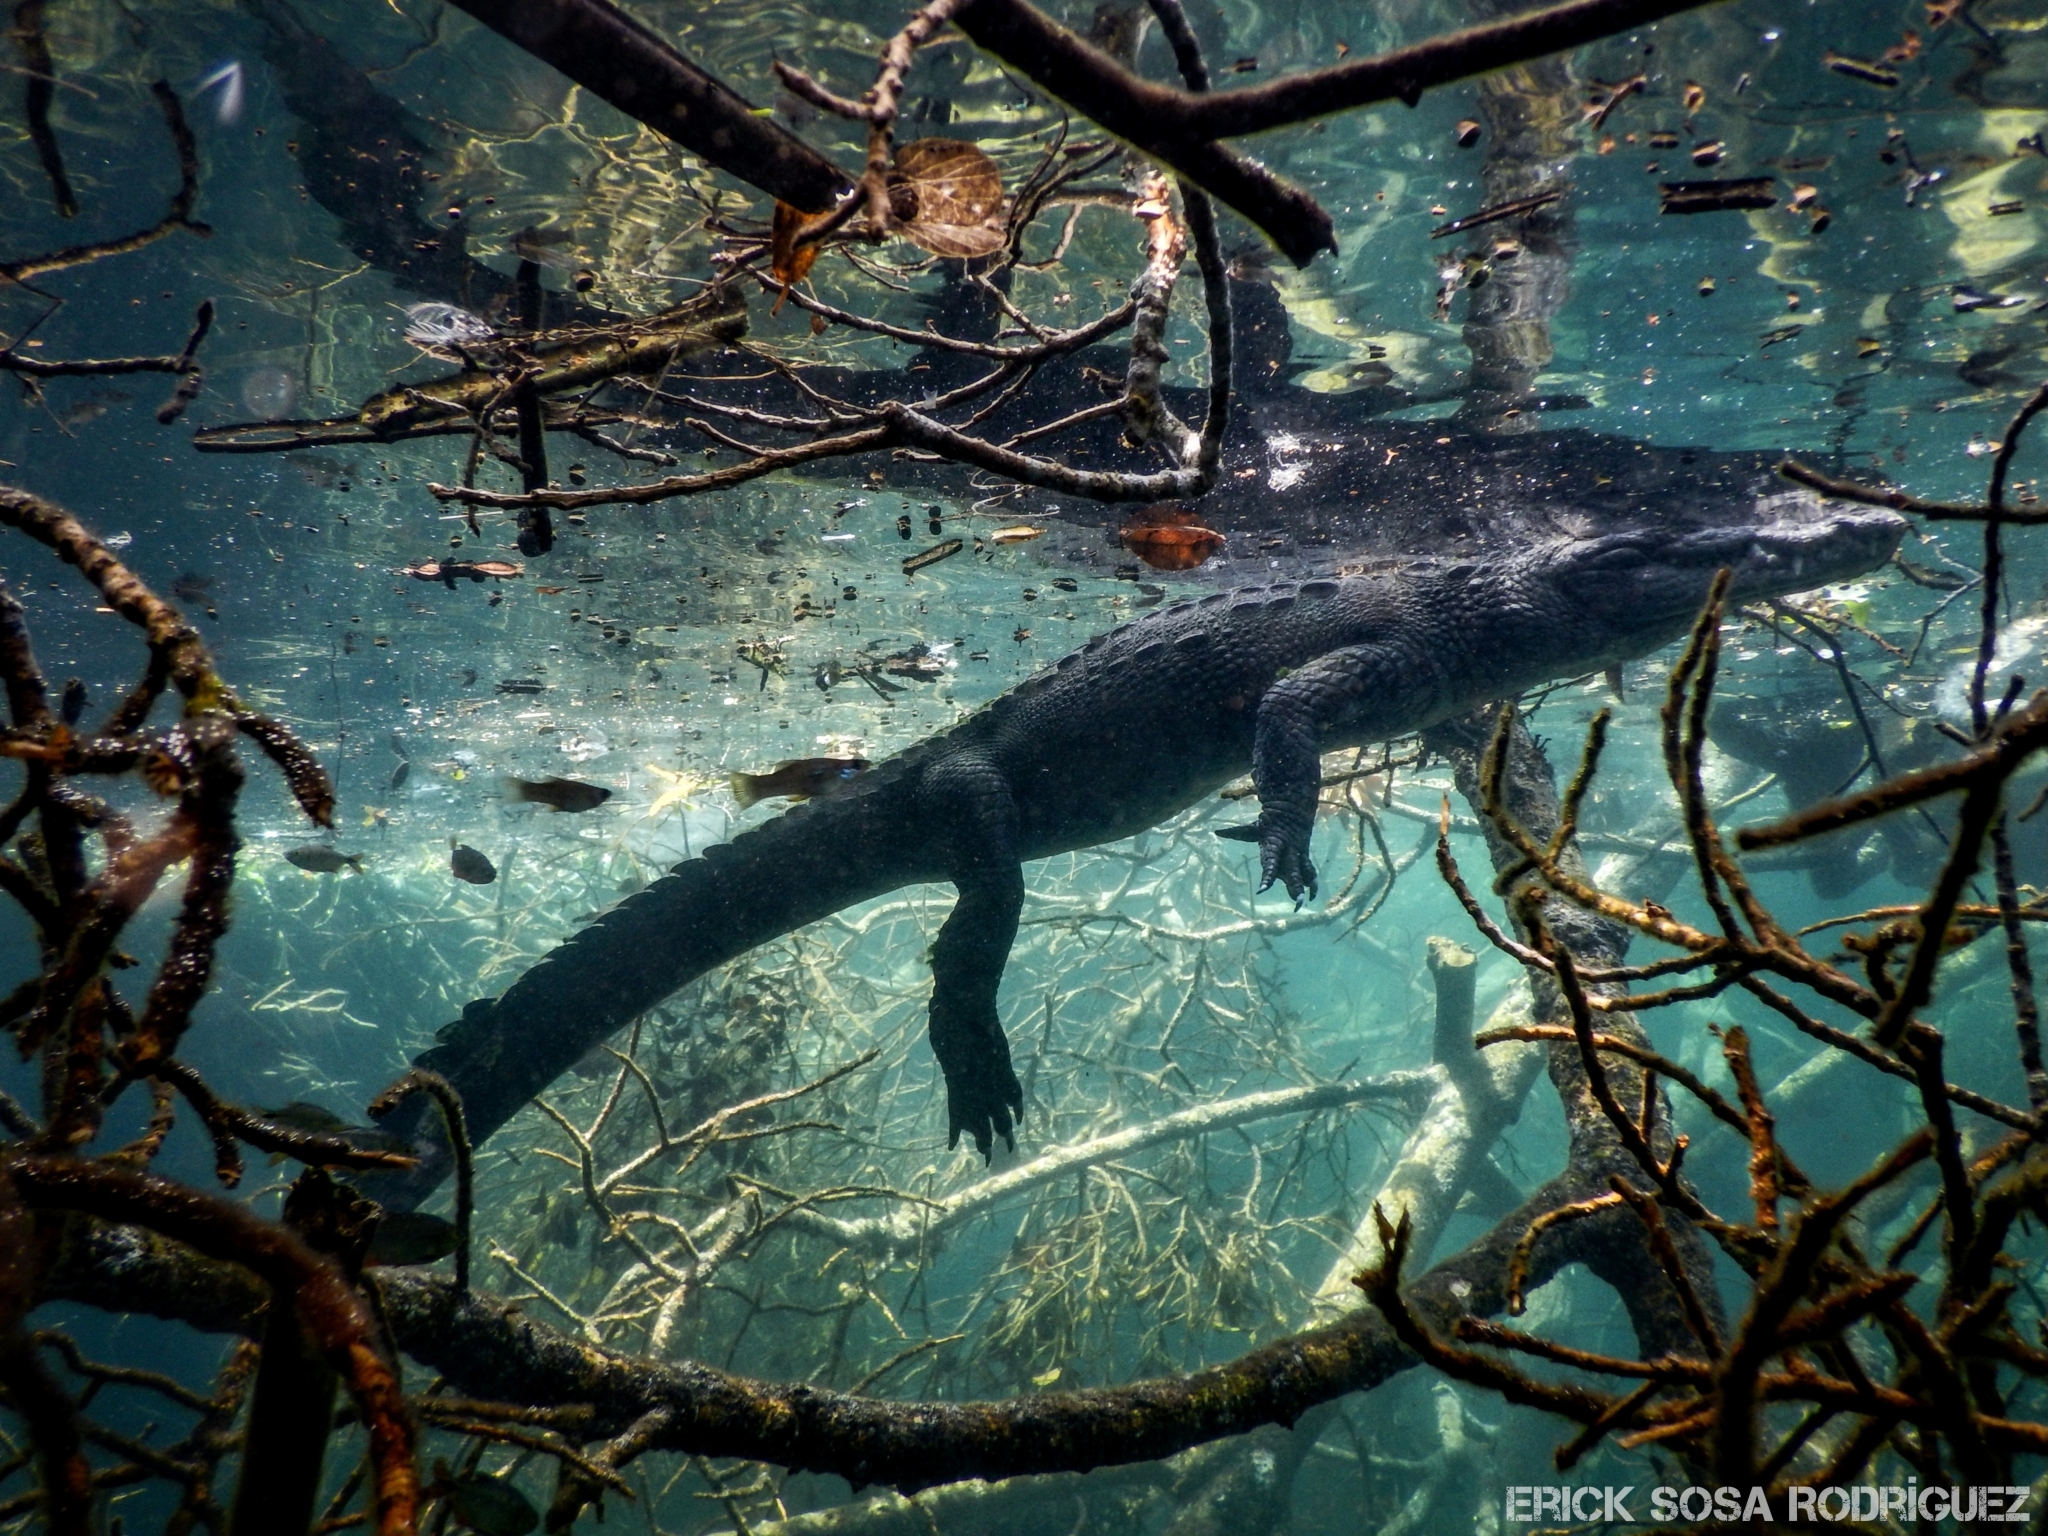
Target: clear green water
{"points": [[1148, 977]]}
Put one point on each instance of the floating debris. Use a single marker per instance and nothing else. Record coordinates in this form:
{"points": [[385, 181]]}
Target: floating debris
{"points": [[1718, 196], [1171, 546], [320, 859], [465, 863], [452, 571], [802, 779], [1016, 533], [914, 563], [1866, 70], [438, 327], [571, 795]]}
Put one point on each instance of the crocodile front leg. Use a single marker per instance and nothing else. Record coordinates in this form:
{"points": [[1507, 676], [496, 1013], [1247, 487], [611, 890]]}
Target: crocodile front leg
{"points": [[1296, 716], [968, 800]]}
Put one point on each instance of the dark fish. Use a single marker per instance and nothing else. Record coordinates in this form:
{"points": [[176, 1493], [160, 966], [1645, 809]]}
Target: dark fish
{"points": [[300, 1115], [320, 859], [192, 587], [560, 1226], [799, 780], [411, 1237], [1468, 133], [917, 562], [75, 700], [400, 774], [521, 685], [319, 1120], [1717, 196], [465, 863], [490, 1505], [557, 794], [1965, 299]]}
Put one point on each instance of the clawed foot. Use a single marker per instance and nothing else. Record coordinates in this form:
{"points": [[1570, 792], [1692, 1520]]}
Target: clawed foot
{"points": [[1283, 856], [983, 1097]]}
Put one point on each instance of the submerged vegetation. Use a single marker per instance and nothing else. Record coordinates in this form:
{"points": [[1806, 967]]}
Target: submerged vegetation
{"points": [[1290, 1239]]}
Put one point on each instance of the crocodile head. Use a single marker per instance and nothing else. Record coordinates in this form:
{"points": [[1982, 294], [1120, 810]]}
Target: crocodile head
{"points": [[1646, 580]]}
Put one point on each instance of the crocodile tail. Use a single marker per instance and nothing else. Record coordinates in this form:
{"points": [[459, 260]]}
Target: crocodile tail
{"points": [[806, 864]]}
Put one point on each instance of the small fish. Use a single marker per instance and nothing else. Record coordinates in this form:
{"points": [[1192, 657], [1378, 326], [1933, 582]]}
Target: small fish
{"points": [[1928, 576], [560, 1227], [570, 795], [1016, 533], [192, 587], [1966, 299], [521, 685], [321, 469], [300, 1115], [1695, 97], [320, 859], [75, 701], [1065, 584], [489, 1505], [411, 1237], [2002, 209], [802, 779], [545, 247], [81, 413], [400, 774], [465, 863], [944, 551], [1710, 153], [1468, 133]]}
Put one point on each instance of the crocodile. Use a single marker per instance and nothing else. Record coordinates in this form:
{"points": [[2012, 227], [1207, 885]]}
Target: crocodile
{"points": [[1140, 723]]}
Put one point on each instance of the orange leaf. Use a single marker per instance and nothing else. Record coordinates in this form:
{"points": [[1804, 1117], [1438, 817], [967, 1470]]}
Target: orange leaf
{"points": [[789, 257], [1171, 547]]}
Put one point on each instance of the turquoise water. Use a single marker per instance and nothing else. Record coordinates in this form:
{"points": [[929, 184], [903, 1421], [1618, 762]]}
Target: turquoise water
{"points": [[659, 649]]}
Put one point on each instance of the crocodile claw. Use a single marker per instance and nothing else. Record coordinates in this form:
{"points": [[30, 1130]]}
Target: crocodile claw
{"points": [[1291, 866], [983, 1097], [1281, 857]]}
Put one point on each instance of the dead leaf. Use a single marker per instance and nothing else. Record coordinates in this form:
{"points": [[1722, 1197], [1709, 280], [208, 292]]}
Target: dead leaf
{"points": [[790, 257], [947, 198]]}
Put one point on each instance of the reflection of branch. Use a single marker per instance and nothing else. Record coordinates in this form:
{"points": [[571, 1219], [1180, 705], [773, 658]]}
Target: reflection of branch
{"points": [[616, 58], [34, 48], [1180, 128], [178, 217]]}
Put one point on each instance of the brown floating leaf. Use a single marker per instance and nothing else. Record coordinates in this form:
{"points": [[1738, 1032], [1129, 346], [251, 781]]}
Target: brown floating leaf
{"points": [[1169, 546], [947, 197], [789, 257]]}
